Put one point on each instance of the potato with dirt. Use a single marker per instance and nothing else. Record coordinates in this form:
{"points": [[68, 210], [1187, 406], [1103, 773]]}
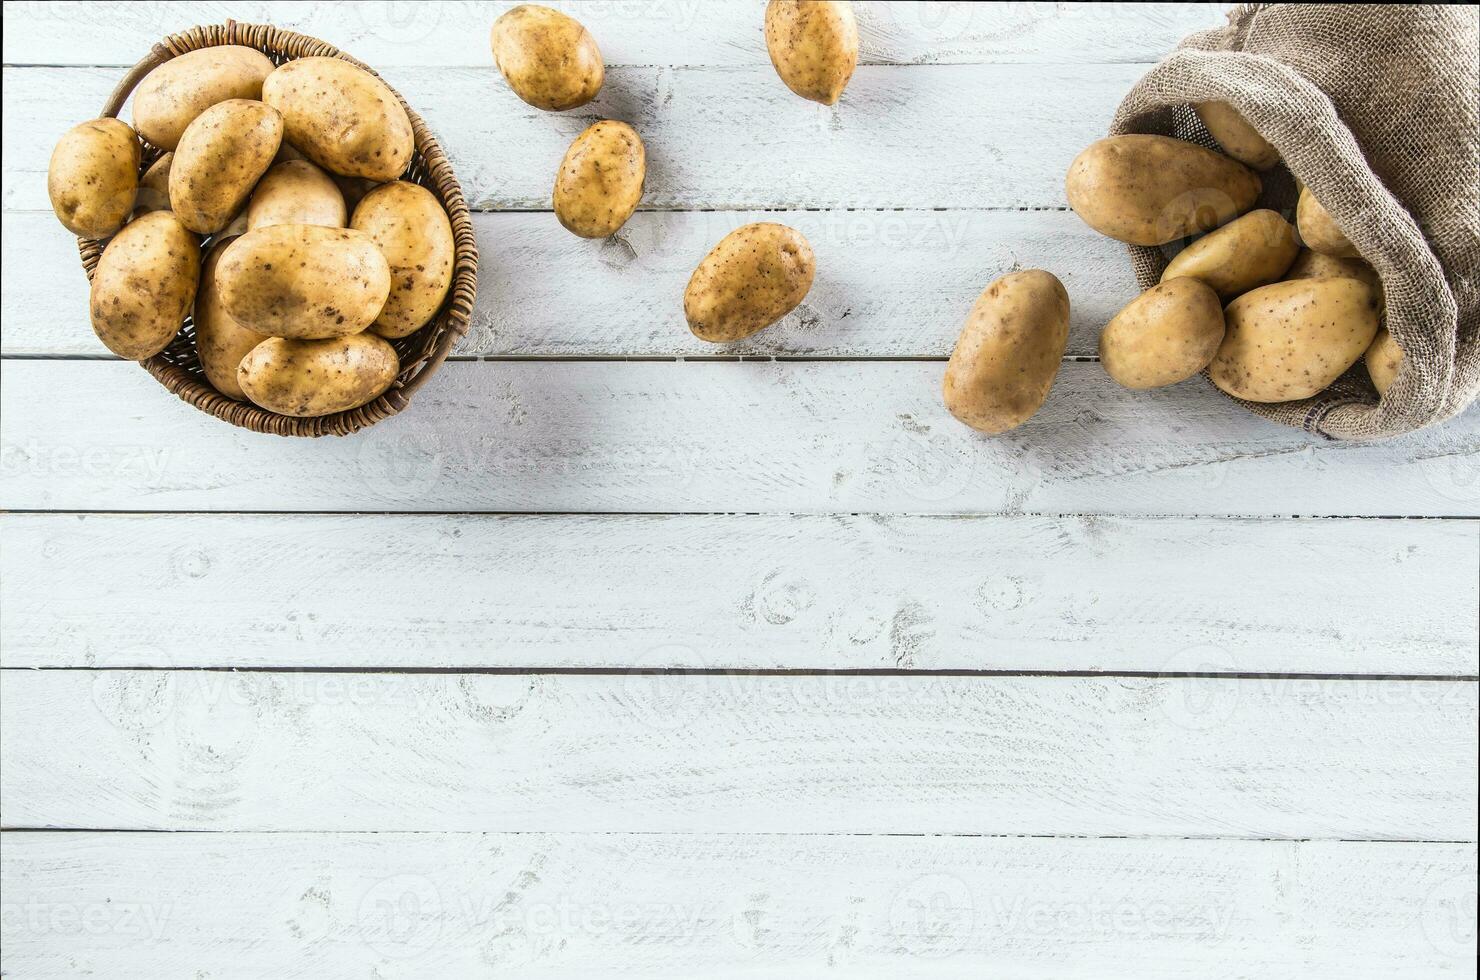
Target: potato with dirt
{"points": [[306, 282], [308, 378], [548, 58], [221, 156], [1009, 352], [144, 285], [756, 275], [1166, 335], [1150, 190], [1290, 340], [599, 183], [813, 46], [342, 118], [172, 95], [409, 225], [93, 177], [1250, 251]]}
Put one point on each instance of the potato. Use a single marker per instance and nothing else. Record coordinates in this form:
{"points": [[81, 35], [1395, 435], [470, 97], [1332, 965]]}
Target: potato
{"points": [[1250, 251], [154, 187], [549, 59], [756, 275], [1289, 340], [1167, 334], [93, 177], [219, 160], [1238, 139], [409, 225], [172, 95], [1318, 231], [306, 282], [1384, 357], [144, 285], [1008, 352], [305, 378], [220, 341], [296, 193], [342, 118], [600, 180], [813, 46], [1150, 190], [1314, 265]]}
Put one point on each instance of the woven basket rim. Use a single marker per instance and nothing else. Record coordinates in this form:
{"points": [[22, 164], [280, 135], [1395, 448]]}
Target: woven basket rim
{"points": [[422, 353]]}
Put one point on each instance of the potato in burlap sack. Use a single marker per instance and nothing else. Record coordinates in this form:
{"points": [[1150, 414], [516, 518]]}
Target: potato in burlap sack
{"points": [[1374, 109]]}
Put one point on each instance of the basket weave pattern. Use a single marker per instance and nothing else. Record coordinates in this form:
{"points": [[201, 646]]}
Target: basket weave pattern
{"points": [[178, 368]]}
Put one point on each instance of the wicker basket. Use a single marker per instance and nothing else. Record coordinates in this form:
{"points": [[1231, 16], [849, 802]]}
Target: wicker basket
{"points": [[178, 368]]}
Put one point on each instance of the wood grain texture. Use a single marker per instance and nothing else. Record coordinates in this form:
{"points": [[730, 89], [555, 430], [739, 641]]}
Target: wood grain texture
{"points": [[711, 437], [658, 906], [745, 753], [889, 283], [732, 138], [736, 591], [630, 32]]}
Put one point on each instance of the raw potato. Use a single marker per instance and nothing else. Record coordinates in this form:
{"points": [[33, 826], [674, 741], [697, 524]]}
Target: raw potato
{"points": [[93, 177], [220, 341], [1150, 190], [1254, 250], [600, 180], [1167, 334], [1009, 351], [342, 118], [172, 95], [307, 378], [1384, 358], [756, 275], [144, 285], [219, 160], [1314, 265], [549, 59], [1290, 340], [306, 282], [1238, 139], [813, 46], [413, 233], [154, 187], [296, 193], [1318, 231]]}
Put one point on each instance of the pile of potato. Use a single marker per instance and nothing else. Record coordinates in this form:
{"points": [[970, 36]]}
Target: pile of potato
{"points": [[757, 273], [286, 180], [1268, 320]]}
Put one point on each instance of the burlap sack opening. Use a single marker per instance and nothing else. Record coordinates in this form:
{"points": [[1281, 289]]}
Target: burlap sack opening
{"points": [[1376, 110]]}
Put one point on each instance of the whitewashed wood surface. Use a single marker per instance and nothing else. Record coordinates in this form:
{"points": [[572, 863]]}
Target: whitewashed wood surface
{"points": [[619, 654]]}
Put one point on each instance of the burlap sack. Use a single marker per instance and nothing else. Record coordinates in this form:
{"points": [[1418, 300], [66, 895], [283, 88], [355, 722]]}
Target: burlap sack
{"points": [[1375, 109]]}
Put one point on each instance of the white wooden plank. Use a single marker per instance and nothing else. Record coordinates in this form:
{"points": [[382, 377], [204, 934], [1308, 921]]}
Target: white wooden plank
{"points": [[630, 32], [889, 283], [1345, 596], [939, 136], [646, 752], [553, 905], [829, 436]]}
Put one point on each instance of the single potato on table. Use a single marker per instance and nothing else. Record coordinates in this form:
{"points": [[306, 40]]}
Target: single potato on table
{"points": [[222, 155], [549, 59], [220, 341], [1250, 251], [599, 183], [306, 282], [813, 46], [1166, 335], [756, 275], [172, 95], [411, 229], [144, 285], [1009, 352], [1290, 340], [296, 192], [308, 378], [1150, 190], [1384, 358], [93, 177], [1238, 139], [1318, 230], [342, 118]]}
